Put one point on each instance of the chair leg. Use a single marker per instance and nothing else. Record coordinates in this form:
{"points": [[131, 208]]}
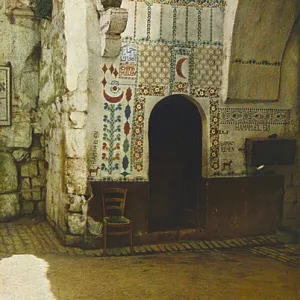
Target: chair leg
{"points": [[104, 246], [131, 247]]}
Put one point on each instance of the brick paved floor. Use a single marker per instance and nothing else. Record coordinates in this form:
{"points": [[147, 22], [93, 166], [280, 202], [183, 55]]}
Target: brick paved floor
{"points": [[40, 238]]}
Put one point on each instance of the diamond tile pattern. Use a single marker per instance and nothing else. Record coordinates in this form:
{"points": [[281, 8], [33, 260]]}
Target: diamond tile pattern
{"points": [[208, 66], [154, 64]]}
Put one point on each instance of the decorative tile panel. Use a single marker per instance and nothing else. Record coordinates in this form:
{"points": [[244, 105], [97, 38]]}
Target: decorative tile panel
{"points": [[151, 90], [203, 3], [208, 66], [111, 138], [214, 134], [126, 131], [128, 59], [154, 64], [137, 136], [254, 116]]}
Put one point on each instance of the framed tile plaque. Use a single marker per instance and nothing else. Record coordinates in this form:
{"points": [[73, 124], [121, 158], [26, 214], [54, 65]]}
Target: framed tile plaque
{"points": [[5, 96]]}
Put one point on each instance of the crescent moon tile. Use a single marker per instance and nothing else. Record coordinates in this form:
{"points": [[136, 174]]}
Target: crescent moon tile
{"points": [[182, 68]]}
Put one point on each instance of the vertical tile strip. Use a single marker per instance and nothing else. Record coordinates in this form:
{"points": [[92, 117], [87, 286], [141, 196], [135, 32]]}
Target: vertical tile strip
{"points": [[214, 134], [135, 14], [211, 25], [191, 70], [174, 23], [148, 21], [137, 139], [186, 23], [126, 129], [131, 162], [160, 22], [172, 69]]}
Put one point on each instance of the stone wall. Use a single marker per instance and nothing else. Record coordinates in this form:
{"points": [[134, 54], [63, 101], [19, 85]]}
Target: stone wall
{"points": [[52, 111], [22, 175], [63, 110]]}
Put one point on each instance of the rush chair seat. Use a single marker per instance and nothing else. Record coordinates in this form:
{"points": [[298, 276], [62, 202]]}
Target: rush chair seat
{"points": [[113, 204]]}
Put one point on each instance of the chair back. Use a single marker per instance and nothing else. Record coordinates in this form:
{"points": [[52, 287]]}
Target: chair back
{"points": [[113, 201]]}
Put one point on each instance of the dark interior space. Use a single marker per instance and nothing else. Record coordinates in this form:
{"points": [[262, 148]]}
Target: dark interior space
{"points": [[175, 140]]}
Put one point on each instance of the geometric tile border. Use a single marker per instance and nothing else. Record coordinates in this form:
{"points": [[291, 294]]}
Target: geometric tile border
{"points": [[254, 116]]}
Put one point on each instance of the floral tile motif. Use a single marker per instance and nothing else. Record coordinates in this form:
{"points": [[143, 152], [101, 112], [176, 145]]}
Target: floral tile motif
{"points": [[180, 87], [137, 136], [111, 138], [154, 64], [214, 134], [208, 66], [205, 92], [151, 90]]}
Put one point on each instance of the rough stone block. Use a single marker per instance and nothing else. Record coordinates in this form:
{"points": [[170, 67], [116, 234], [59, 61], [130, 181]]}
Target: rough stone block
{"points": [[8, 174], [28, 207], [9, 207], [37, 153], [290, 222], [20, 154], [42, 170], [36, 195], [38, 182], [295, 179], [76, 202], [288, 211], [29, 85], [26, 184], [42, 140], [297, 210], [43, 193], [288, 180], [290, 194], [26, 195], [40, 208], [94, 227], [78, 119], [17, 135], [76, 174], [77, 101], [29, 170], [76, 223], [75, 143]]}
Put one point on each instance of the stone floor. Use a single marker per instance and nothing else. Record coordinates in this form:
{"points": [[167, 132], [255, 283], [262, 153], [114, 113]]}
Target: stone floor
{"points": [[35, 266], [212, 275], [39, 238]]}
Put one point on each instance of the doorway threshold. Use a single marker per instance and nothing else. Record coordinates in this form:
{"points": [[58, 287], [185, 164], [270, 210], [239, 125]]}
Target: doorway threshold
{"points": [[172, 235]]}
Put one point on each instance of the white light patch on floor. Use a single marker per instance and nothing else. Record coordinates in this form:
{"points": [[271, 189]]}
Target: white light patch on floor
{"points": [[24, 277]]}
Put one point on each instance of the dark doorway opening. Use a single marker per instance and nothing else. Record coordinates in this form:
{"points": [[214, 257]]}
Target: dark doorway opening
{"points": [[175, 140]]}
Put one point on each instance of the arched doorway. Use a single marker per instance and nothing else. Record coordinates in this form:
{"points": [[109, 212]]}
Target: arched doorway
{"points": [[175, 144]]}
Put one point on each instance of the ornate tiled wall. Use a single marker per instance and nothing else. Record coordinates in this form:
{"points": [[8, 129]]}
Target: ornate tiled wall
{"points": [[172, 47]]}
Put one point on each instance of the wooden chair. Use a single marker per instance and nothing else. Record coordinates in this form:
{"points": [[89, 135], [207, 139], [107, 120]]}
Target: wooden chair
{"points": [[113, 203]]}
